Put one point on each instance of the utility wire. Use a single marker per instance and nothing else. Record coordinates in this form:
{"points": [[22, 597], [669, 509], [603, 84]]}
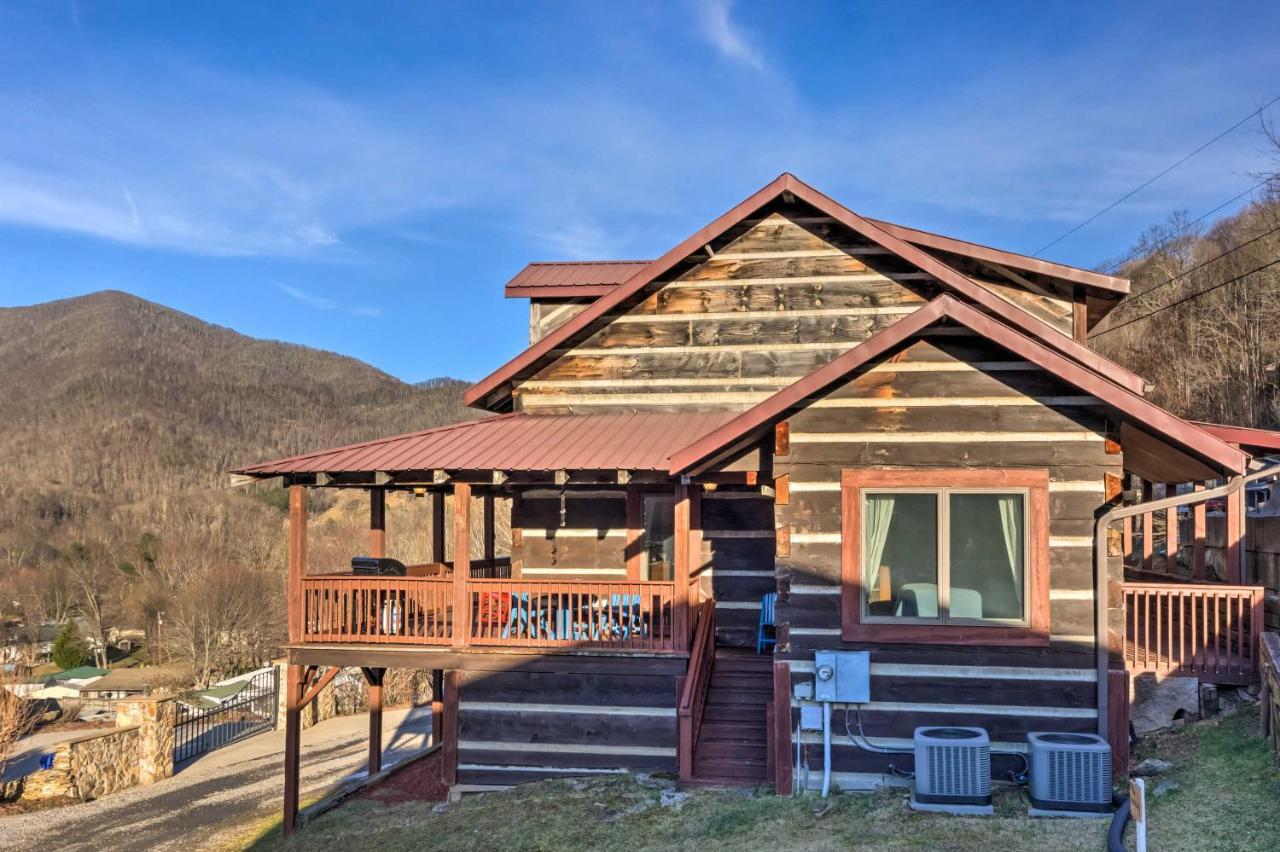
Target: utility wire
{"points": [[1150, 181], [1188, 298], [1173, 235]]}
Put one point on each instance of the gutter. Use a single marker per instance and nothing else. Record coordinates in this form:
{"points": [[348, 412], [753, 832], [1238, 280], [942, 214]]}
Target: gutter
{"points": [[1101, 645]]}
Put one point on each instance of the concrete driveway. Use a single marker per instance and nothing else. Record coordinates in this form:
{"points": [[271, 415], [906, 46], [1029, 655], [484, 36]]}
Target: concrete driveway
{"points": [[216, 801]]}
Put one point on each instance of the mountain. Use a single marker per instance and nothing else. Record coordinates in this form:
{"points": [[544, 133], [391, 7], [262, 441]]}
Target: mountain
{"points": [[117, 400]]}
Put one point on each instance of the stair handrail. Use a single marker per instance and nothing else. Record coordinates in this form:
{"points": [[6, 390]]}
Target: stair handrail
{"points": [[693, 698]]}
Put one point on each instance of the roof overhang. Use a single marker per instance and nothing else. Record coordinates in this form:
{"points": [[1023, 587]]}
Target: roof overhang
{"points": [[745, 428], [1258, 442], [491, 391]]}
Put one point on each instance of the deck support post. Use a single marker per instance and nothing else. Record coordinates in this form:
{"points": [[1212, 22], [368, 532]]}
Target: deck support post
{"points": [[635, 534], [449, 729], [437, 705], [461, 563], [374, 678], [377, 522], [292, 743], [687, 537], [1171, 532], [1198, 525], [489, 550], [297, 558], [437, 527], [1235, 538]]}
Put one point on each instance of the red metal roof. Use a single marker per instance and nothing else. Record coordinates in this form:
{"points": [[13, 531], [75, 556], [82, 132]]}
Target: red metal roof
{"points": [[572, 278], [490, 391], [1150, 416], [1247, 438], [626, 441]]}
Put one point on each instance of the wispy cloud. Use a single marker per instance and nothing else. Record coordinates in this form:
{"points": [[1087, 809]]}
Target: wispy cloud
{"points": [[324, 303], [719, 29]]}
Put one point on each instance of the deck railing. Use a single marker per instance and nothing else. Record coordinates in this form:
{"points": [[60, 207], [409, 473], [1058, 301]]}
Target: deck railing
{"points": [[693, 697], [1210, 631], [403, 610], [638, 616], [579, 614]]}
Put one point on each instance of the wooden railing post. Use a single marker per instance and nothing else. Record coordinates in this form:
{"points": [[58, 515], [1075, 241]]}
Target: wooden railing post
{"points": [[377, 522], [461, 563], [297, 558], [683, 522]]}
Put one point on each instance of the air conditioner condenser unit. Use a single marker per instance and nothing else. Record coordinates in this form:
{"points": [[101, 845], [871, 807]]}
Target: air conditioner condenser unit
{"points": [[953, 770], [1070, 774]]}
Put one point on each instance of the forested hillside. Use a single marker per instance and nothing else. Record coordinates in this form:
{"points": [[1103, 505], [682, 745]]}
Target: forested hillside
{"points": [[1202, 323], [119, 421]]}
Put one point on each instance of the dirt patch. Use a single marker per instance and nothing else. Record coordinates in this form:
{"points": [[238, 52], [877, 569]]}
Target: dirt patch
{"points": [[419, 782]]}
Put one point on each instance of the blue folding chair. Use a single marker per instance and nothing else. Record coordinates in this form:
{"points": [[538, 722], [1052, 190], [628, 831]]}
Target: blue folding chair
{"points": [[767, 604], [624, 615]]}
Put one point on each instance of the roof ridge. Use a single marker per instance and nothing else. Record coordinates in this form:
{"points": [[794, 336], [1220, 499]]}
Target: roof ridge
{"points": [[583, 262]]}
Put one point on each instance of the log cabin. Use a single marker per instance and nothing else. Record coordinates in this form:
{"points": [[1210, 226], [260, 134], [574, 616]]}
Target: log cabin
{"points": [[896, 442]]}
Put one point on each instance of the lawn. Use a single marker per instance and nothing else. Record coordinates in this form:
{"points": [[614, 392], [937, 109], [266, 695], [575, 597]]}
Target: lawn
{"points": [[1228, 798]]}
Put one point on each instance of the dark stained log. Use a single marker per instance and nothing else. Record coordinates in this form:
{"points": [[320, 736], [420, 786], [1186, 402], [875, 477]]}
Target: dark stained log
{"points": [[437, 705], [437, 527], [374, 678], [297, 558], [378, 522], [781, 732], [1118, 721], [488, 527], [449, 729]]}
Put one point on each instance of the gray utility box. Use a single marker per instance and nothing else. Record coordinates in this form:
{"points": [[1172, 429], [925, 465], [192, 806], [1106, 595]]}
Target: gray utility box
{"points": [[843, 677], [1069, 773]]}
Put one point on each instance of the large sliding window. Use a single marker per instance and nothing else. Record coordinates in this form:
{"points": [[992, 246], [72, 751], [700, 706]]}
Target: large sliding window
{"points": [[929, 555]]}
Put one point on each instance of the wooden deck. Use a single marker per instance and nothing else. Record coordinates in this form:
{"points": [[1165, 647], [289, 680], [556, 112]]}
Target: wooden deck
{"points": [[1208, 631]]}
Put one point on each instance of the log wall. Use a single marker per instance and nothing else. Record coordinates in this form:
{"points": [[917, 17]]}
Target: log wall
{"points": [[942, 402]]}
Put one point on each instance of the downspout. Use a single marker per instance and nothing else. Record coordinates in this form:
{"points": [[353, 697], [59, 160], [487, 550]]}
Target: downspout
{"points": [[1100, 597]]}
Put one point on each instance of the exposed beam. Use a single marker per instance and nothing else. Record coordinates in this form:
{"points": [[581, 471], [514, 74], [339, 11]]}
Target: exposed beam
{"points": [[381, 477], [440, 477], [500, 478]]}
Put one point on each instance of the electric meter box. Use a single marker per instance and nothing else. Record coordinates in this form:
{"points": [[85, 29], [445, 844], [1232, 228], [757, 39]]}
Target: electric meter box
{"points": [[842, 676]]}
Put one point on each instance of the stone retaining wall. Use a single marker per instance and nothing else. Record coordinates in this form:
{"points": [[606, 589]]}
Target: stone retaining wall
{"points": [[139, 750]]}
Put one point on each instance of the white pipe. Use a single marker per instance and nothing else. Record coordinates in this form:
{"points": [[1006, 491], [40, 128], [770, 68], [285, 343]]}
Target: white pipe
{"points": [[826, 748]]}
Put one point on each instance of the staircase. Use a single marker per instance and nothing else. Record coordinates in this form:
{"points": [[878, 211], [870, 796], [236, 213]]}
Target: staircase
{"points": [[732, 742]]}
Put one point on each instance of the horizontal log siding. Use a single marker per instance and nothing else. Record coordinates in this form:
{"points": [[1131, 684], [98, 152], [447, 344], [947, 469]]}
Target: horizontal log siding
{"points": [[550, 720], [590, 546], [946, 678], [546, 315], [737, 553], [779, 299]]}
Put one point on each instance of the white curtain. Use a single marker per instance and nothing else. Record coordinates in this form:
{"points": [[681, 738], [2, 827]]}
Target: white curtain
{"points": [[1011, 521], [879, 514]]}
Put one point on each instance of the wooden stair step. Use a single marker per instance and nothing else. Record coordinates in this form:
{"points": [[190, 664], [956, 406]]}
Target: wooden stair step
{"points": [[749, 752], [751, 697], [733, 713], [736, 681], [730, 768], [717, 782], [733, 731]]}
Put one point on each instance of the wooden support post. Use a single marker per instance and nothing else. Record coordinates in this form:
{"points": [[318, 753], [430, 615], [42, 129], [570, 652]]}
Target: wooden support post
{"points": [[1170, 532], [1235, 538], [461, 563], [635, 534], [377, 522], [1080, 316], [292, 742], [374, 678], [449, 735], [488, 528], [1127, 540], [695, 551], [684, 561], [1198, 532], [1118, 720], [437, 705], [437, 527], [781, 733], [297, 558], [1148, 528]]}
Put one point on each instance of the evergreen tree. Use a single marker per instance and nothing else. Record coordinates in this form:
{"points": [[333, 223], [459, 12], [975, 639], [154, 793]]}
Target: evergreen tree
{"points": [[68, 648]]}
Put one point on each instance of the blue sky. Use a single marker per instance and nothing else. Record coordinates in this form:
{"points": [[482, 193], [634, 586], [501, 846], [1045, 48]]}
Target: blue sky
{"points": [[363, 177]]}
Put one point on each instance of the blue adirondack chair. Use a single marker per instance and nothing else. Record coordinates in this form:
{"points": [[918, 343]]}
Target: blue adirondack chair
{"points": [[624, 615], [767, 604], [525, 619]]}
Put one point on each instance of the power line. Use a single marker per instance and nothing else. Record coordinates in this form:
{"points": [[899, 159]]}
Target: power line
{"points": [[1150, 181], [1159, 244], [1188, 298]]}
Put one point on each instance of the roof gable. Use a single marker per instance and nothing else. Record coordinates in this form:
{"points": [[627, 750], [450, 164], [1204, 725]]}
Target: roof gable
{"points": [[745, 427], [493, 389]]}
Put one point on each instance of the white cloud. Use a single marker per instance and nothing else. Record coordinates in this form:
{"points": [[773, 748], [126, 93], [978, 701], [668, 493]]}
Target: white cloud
{"points": [[324, 303], [724, 34]]}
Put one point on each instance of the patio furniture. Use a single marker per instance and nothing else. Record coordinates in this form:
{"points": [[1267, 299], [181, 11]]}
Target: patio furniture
{"points": [[768, 603]]}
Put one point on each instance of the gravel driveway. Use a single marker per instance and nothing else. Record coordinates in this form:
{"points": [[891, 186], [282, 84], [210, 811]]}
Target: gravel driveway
{"points": [[219, 799]]}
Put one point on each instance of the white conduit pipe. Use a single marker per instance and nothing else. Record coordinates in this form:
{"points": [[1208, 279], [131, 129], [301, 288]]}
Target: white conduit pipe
{"points": [[1100, 574]]}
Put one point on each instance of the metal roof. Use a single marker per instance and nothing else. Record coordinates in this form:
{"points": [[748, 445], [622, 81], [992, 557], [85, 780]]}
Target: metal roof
{"points": [[572, 278], [526, 442]]}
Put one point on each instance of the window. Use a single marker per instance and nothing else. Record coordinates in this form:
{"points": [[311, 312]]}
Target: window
{"points": [[930, 555], [658, 546]]}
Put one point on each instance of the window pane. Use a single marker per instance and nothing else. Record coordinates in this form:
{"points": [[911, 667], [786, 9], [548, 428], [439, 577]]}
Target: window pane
{"points": [[659, 543], [988, 541], [900, 554]]}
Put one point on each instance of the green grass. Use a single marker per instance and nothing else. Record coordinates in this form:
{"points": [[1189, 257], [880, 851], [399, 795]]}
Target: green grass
{"points": [[1229, 800]]}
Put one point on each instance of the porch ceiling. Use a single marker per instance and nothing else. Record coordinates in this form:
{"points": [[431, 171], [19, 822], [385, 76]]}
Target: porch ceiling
{"points": [[517, 442]]}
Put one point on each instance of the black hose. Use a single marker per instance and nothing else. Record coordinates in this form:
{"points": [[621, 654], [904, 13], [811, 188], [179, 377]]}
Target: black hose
{"points": [[1115, 837]]}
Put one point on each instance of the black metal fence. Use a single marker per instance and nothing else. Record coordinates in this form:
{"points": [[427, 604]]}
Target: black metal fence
{"points": [[249, 711]]}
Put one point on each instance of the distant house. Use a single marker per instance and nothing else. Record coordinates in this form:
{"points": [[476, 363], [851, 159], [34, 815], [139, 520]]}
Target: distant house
{"points": [[127, 683]]}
